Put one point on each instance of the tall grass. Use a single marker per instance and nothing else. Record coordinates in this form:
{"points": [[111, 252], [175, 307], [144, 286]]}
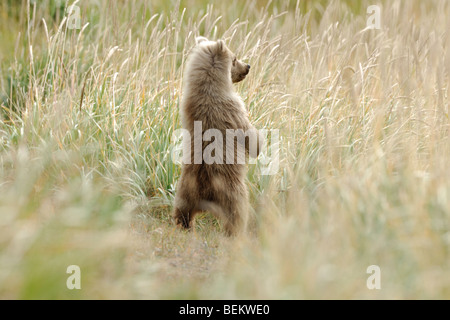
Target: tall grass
{"points": [[86, 175]]}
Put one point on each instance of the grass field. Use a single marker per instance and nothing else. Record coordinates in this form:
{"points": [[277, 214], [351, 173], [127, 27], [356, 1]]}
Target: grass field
{"points": [[87, 179]]}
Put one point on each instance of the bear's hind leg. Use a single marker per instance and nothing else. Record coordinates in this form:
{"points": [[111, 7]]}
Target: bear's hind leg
{"points": [[184, 217], [236, 219]]}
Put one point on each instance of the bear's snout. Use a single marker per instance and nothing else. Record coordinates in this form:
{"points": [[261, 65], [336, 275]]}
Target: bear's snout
{"points": [[247, 69], [239, 70]]}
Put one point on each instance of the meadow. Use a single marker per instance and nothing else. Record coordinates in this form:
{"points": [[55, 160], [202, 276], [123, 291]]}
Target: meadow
{"points": [[87, 177]]}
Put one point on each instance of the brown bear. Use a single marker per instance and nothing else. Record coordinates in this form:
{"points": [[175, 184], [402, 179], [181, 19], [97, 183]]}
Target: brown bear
{"points": [[213, 173]]}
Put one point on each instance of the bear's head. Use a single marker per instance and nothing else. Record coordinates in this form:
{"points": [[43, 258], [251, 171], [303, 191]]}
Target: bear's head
{"points": [[223, 57]]}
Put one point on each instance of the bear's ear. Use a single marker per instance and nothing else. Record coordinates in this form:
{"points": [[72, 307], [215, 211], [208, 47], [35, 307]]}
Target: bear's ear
{"points": [[199, 40], [220, 46]]}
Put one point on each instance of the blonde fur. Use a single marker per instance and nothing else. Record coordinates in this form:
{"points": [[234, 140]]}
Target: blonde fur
{"points": [[209, 97]]}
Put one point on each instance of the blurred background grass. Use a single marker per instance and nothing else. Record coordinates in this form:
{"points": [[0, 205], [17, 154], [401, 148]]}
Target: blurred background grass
{"points": [[86, 175]]}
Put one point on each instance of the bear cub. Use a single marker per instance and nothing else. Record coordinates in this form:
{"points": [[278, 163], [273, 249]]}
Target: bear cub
{"points": [[213, 172]]}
